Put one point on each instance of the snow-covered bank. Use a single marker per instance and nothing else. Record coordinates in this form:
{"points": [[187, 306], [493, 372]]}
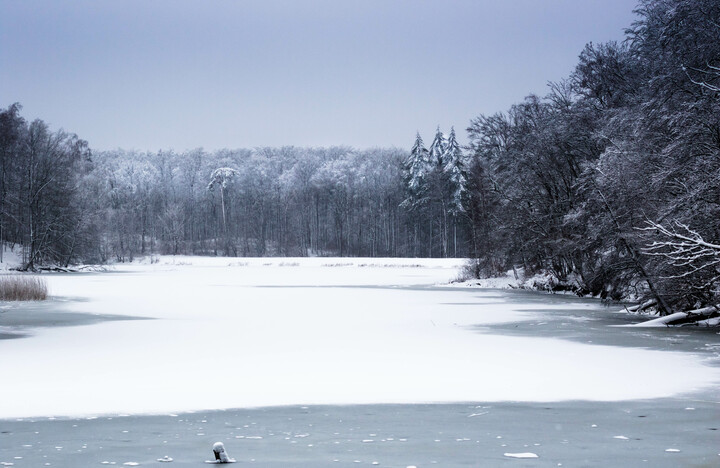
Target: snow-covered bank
{"points": [[450, 265], [262, 332], [516, 279], [545, 282], [507, 281]]}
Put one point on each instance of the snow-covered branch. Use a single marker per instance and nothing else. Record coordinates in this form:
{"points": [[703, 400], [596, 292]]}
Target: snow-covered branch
{"points": [[712, 70], [685, 249]]}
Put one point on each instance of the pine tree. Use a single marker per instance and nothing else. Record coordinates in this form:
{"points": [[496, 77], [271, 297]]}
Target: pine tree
{"points": [[456, 173], [438, 149], [417, 174], [417, 166]]}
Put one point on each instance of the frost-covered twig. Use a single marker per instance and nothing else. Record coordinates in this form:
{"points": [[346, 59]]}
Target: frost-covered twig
{"points": [[684, 248], [711, 71]]}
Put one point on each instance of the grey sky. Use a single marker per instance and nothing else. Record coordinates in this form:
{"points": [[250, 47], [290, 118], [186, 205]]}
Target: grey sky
{"points": [[161, 74]]}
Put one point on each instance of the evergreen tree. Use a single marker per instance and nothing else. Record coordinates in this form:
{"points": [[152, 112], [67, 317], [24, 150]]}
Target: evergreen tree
{"points": [[417, 166], [438, 148], [456, 173]]}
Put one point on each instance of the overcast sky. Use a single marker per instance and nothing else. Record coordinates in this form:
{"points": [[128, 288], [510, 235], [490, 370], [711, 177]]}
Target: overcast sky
{"points": [[180, 74]]}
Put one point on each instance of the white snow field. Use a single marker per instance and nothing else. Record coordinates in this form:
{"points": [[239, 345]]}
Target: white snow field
{"points": [[230, 333]]}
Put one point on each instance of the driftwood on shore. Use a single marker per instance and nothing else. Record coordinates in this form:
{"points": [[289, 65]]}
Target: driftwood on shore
{"points": [[708, 316]]}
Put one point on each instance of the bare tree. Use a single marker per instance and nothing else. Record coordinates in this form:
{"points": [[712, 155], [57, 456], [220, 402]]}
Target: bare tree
{"points": [[222, 177]]}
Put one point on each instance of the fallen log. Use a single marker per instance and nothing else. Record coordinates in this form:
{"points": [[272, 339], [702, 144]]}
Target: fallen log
{"points": [[57, 269], [682, 318], [641, 307]]}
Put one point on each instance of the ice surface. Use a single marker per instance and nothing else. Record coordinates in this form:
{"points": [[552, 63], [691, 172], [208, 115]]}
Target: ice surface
{"points": [[557, 432], [233, 333]]}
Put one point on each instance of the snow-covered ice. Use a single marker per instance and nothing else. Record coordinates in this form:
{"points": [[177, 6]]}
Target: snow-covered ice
{"points": [[227, 333]]}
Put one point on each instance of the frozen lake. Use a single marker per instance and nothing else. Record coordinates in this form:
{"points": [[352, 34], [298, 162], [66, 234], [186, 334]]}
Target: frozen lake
{"points": [[295, 341]]}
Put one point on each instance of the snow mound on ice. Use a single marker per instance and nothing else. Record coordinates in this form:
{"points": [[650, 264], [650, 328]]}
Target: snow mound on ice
{"points": [[521, 455]]}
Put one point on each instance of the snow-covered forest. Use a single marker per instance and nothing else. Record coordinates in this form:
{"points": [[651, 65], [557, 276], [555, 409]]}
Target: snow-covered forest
{"points": [[66, 204], [609, 182]]}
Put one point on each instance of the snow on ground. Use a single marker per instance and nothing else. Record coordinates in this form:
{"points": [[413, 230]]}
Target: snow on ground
{"points": [[11, 257], [508, 281], [229, 333]]}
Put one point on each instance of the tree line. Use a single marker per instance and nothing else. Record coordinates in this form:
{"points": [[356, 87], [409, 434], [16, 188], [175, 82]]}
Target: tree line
{"points": [[65, 205], [41, 204], [610, 182], [435, 185], [285, 201]]}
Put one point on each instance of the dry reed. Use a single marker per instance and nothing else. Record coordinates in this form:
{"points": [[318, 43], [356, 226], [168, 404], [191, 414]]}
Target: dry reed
{"points": [[22, 288]]}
